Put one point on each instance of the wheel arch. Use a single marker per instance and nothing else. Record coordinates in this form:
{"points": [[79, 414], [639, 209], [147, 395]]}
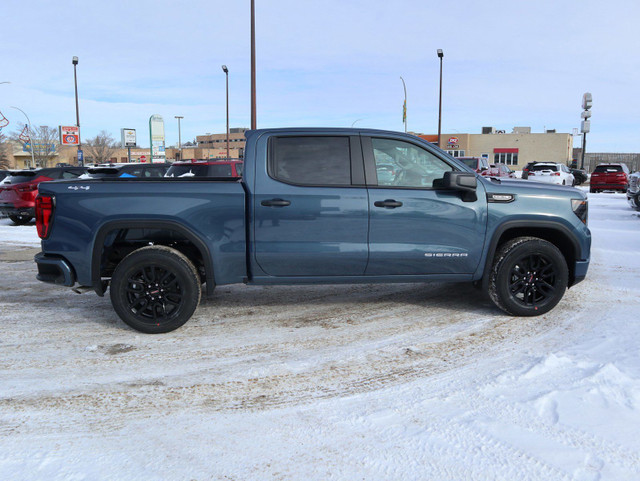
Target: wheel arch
{"points": [[558, 234], [168, 225]]}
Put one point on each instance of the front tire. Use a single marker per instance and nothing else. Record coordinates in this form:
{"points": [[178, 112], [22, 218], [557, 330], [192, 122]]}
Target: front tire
{"points": [[20, 219], [529, 277], [155, 289]]}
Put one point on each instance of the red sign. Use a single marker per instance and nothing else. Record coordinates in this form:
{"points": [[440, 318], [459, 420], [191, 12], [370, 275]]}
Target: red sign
{"points": [[453, 140], [69, 135], [143, 158]]}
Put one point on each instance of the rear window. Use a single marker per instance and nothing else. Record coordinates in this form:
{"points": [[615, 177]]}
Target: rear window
{"points": [[222, 170], [187, 171], [608, 168], [19, 177], [473, 163], [539, 167]]}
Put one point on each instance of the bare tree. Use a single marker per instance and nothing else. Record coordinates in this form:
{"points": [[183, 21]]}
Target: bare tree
{"points": [[101, 147], [43, 141], [4, 159]]}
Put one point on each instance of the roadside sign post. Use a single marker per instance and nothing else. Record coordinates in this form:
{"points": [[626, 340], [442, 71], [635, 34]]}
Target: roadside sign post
{"points": [[80, 158], [128, 140]]}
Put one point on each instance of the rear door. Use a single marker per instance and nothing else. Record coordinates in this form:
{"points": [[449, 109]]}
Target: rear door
{"points": [[310, 205], [416, 227]]}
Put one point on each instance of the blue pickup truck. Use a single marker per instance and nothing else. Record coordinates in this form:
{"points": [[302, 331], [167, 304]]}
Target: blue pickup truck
{"points": [[313, 206]]}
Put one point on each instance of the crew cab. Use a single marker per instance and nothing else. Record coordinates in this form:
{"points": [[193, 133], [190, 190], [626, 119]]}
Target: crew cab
{"points": [[311, 208]]}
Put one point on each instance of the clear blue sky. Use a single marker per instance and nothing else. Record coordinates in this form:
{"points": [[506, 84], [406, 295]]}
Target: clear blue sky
{"points": [[325, 63]]}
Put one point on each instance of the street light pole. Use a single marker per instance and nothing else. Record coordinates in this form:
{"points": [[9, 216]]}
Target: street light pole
{"points": [[179, 135], [74, 61], [404, 107], [254, 122], [33, 160], [226, 73], [440, 56]]}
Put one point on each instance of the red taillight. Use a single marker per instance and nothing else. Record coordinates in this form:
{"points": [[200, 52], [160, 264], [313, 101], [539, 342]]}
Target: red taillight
{"points": [[27, 188], [44, 215], [556, 173]]}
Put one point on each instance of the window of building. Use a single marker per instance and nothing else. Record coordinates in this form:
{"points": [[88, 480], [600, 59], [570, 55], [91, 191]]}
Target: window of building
{"points": [[311, 160], [456, 153], [509, 158], [403, 164]]}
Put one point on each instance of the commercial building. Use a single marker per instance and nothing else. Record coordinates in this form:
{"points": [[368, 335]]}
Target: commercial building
{"points": [[515, 149]]}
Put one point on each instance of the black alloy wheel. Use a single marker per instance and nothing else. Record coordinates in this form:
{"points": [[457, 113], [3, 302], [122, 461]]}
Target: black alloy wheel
{"points": [[529, 276], [155, 289], [153, 293], [532, 280]]}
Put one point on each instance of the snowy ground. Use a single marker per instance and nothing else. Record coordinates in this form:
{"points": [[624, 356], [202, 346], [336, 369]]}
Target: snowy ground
{"points": [[388, 382]]}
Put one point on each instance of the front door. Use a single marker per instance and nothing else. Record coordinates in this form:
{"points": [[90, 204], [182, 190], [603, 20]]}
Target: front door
{"points": [[417, 227], [310, 206]]}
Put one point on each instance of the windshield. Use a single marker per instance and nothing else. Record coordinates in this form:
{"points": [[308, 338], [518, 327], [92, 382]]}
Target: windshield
{"points": [[608, 168], [539, 167]]}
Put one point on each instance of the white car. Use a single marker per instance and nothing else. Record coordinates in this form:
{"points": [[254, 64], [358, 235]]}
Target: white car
{"points": [[551, 173]]}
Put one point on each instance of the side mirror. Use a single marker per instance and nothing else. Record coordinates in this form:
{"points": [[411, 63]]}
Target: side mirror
{"points": [[465, 182]]}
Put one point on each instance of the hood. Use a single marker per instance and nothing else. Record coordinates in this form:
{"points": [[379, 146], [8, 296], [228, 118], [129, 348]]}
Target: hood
{"points": [[529, 188]]}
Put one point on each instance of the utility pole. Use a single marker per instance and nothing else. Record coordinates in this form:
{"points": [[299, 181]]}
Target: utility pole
{"points": [[254, 122], [585, 126], [440, 56], [74, 61], [179, 135], [226, 72]]}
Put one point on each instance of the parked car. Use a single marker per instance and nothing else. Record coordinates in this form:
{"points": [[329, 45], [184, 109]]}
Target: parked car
{"points": [[479, 164], [106, 171], [310, 209], [525, 171], [206, 168], [19, 189], [499, 170], [609, 177], [579, 175], [633, 190], [551, 173]]}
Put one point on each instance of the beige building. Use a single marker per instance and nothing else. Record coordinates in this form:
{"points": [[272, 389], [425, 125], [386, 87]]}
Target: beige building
{"points": [[515, 149]]}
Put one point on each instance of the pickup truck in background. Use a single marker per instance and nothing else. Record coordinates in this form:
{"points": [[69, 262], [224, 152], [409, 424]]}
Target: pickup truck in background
{"points": [[311, 207]]}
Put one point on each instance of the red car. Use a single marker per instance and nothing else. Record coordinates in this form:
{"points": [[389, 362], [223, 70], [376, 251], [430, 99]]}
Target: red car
{"points": [[609, 177], [206, 168], [19, 189], [499, 170]]}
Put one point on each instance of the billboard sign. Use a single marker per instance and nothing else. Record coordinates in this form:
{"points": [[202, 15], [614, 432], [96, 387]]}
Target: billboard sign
{"points": [[156, 134], [69, 134], [128, 137]]}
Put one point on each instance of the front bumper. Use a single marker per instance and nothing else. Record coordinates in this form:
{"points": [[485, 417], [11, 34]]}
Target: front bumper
{"points": [[54, 270]]}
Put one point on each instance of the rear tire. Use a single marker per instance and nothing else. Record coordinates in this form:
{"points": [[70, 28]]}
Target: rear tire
{"points": [[155, 289], [528, 278], [20, 219]]}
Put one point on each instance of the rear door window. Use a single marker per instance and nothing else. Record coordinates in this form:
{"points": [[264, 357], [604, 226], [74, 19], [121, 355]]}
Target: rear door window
{"points": [[311, 160]]}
